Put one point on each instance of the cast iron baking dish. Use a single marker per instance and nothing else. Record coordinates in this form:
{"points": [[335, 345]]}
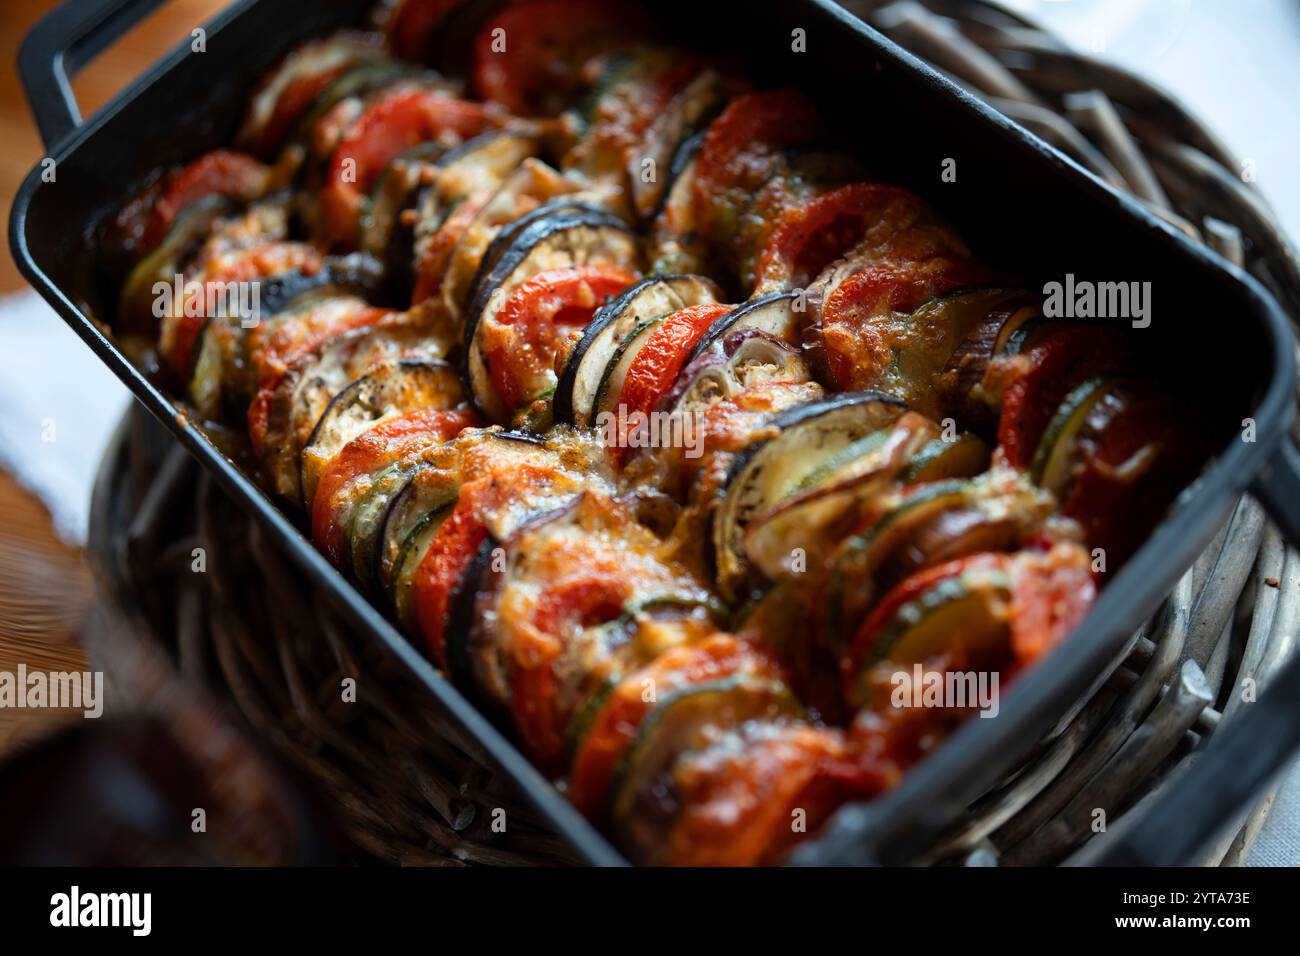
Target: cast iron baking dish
{"points": [[1025, 208]]}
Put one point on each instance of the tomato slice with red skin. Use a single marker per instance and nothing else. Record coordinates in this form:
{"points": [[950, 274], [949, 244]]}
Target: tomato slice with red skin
{"points": [[595, 595], [545, 45], [1133, 457], [740, 149], [856, 349], [292, 104], [297, 335], [817, 232], [388, 441], [222, 172], [391, 126], [1050, 594], [1058, 360], [907, 590], [659, 361], [616, 725], [546, 314], [268, 259]]}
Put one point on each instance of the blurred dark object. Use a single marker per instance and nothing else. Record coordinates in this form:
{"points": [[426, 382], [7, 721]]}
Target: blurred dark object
{"points": [[128, 792]]}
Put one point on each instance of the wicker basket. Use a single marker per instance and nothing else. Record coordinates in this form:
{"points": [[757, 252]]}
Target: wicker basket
{"points": [[409, 789]]}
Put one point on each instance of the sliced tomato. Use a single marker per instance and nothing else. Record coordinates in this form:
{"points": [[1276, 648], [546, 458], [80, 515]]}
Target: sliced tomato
{"points": [[529, 57], [659, 361], [386, 442], [858, 346], [294, 101], [737, 805], [1134, 452], [299, 333], [222, 172], [1050, 594], [594, 594], [822, 229], [741, 149], [545, 315], [391, 126], [411, 22], [267, 259], [1060, 358], [615, 726]]}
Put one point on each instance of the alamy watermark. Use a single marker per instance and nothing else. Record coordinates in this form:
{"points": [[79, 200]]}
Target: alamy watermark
{"points": [[637, 429], [1082, 299], [209, 300], [53, 690], [960, 690]]}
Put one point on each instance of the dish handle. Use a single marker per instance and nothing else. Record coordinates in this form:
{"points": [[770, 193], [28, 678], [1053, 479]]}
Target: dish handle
{"points": [[59, 46]]}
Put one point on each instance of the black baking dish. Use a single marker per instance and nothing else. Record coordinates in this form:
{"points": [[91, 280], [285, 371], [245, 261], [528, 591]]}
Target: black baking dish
{"points": [[1022, 205]]}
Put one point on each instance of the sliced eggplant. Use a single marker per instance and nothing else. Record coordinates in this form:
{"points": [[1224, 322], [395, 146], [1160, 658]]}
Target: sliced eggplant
{"points": [[310, 384], [563, 240], [776, 316], [390, 389], [772, 466], [396, 190], [610, 329], [689, 112], [221, 372], [477, 164], [531, 185], [676, 245]]}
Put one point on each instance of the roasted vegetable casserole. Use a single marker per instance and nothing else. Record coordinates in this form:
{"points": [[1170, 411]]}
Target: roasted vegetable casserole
{"points": [[670, 435]]}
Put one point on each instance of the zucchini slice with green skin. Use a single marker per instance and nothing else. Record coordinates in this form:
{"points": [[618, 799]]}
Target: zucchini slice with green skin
{"points": [[966, 615], [219, 376], [962, 457], [610, 328], [564, 240], [163, 262], [771, 467], [1050, 467], [686, 720], [390, 389], [798, 534], [414, 512]]}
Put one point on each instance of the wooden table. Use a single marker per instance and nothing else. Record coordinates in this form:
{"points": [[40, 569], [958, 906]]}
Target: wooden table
{"points": [[45, 589]]}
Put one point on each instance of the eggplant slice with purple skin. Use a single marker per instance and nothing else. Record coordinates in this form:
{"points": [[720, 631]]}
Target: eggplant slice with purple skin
{"points": [[611, 328], [387, 390], [768, 469], [562, 240]]}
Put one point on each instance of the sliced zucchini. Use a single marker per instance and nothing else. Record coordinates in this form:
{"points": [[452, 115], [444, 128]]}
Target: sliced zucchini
{"points": [[795, 536], [962, 457], [676, 245], [390, 389], [1054, 456], [567, 239], [772, 466], [966, 616], [682, 722], [610, 329]]}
